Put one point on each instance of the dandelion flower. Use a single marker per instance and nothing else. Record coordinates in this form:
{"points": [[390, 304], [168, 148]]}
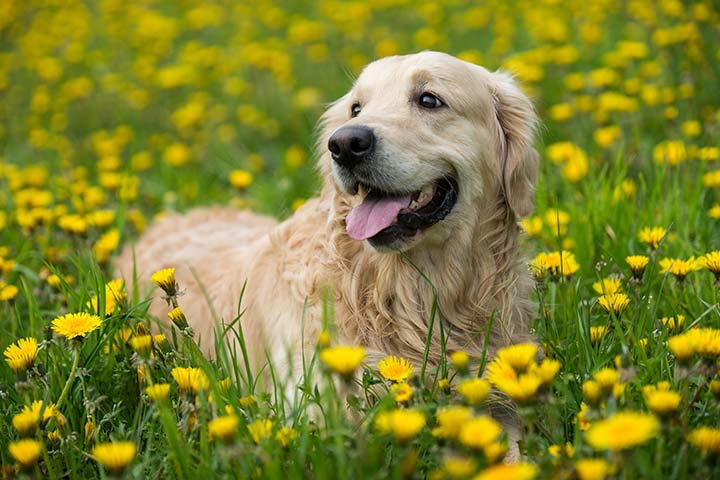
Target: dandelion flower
{"points": [[607, 378], [190, 379], [402, 391], [607, 286], [240, 179], [223, 428], [260, 429], [75, 325], [678, 267], [450, 420], [114, 294], [519, 356], [558, 264], [395, 369], [660, 399], [582, 420], [479, 432], [21, 354], [247, 401], [459, 467], [614, 302], [114, 456], [592, 468], [637, 264], [26, 452], [7, 292], [177, 316], [591, 391], [158, 392], [623, 430], [711, 262], [474, 391], [545, 370], [673, 323], [596, 334], [343, 359], [652, 236], [402, 424], [142, 344], [706, 439], [460, 360], [285, 436], [165, 279], [521, 388], [508, 471]]}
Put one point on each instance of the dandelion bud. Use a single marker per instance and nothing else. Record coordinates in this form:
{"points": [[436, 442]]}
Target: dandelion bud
{"points": [[591, 392], [178, 318], [142, 344], [715, 389], [89, 431]]}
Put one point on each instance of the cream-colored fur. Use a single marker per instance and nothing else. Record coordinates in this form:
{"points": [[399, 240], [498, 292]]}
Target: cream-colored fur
{"points": [[484, 138]]}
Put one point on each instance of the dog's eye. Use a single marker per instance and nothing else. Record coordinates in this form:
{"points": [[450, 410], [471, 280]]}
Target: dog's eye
{"points": [[355, 110], [428, 100]]}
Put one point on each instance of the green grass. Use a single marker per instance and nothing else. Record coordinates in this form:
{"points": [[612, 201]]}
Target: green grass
{"points": [[255, 80]]}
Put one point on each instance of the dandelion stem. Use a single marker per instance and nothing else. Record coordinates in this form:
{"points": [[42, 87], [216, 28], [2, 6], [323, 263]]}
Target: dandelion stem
{"points": [[73, 369]]}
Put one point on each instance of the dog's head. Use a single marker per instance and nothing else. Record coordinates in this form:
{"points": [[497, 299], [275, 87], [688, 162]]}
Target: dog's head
{"points": [[418, 142]]}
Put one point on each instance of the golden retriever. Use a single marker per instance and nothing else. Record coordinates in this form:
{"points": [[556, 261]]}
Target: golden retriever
{"points": [[427, 164]]}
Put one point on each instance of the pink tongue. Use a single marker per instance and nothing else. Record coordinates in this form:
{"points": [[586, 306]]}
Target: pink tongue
{"points": [[374, 215]]}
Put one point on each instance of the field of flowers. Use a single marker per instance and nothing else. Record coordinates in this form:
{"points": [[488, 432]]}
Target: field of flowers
{"points": [[113, 113]]}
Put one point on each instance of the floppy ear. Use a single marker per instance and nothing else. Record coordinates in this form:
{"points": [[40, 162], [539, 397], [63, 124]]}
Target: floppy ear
{"points": [[518, 123]]}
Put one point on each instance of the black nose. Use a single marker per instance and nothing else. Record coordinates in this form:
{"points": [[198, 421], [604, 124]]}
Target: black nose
{"points": [[351, 145]]}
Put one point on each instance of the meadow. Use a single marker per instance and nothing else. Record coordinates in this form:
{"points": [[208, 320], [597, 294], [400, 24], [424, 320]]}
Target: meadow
{"points": [[115, 113]]}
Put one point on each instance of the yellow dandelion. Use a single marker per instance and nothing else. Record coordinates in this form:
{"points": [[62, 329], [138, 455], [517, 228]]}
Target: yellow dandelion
{"points": [[607, 286], [479, 432], [614, 302], [637, 264], [177, 316], [395, 369], [26, 452], [114, 294], [402, 424], [474, 391], [285, 436], [607, 378], [582, 417], [75, 325], [444, 385], [682, 347], [450, 420], [460, 360], [509, 471], [591, 391], [402, 391], [706, 439], [459, 467], [165, 279], [711, 262], [260, 430], [678, 267], [592, 468], [652, 236], [623, 430], [114, 456], [142, 344], [241, 179], [673, 323], [597, 334], [21, 354], [558, 264], [223, 428], [7, 292], [190, 379], [521, 388], [343, 360], [545, 370], [519, 356], [158, 392], [660, 399], [247, 401]]}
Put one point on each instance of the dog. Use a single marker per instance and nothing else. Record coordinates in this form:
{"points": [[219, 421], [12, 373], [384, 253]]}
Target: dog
{"points": [[428, 163]]}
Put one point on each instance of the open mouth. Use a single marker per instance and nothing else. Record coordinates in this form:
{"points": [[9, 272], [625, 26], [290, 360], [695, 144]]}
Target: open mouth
{"points": [[383, 217]]}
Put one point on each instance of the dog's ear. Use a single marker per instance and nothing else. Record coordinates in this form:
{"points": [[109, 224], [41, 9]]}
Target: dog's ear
{"points": [[518, 124]]}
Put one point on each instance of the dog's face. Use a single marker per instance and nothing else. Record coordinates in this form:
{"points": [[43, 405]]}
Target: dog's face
{"points": [[420, 139]]}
